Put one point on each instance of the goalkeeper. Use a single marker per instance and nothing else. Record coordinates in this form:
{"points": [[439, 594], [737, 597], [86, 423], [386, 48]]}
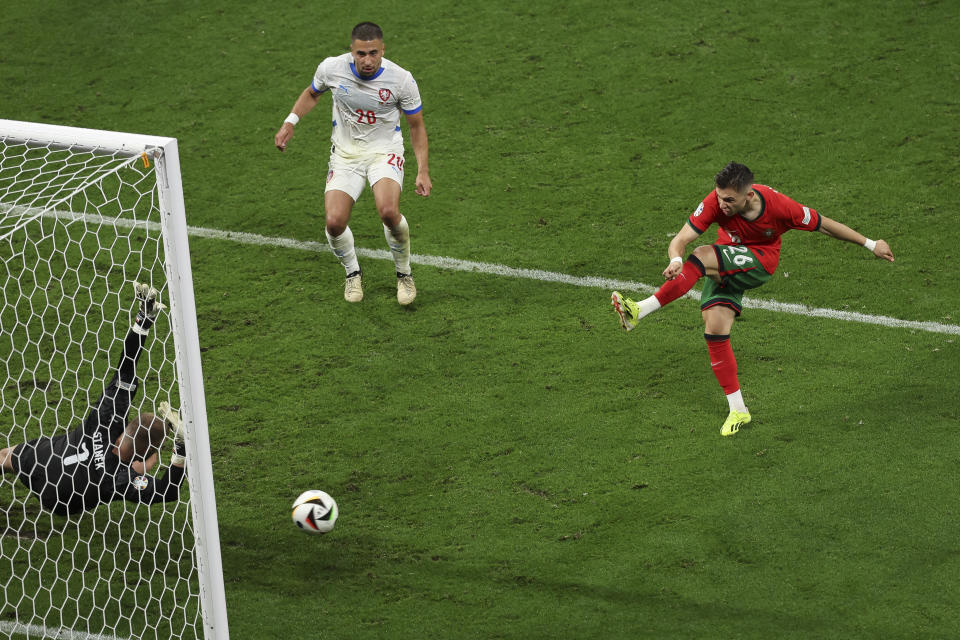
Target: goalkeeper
{"points": [[107, 458]]}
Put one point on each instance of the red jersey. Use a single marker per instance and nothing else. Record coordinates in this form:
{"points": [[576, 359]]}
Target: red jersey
{"points": [[778, 214]]}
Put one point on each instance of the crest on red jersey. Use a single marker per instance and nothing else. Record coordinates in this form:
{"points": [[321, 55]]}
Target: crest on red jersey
{"points": [[384, 95]]}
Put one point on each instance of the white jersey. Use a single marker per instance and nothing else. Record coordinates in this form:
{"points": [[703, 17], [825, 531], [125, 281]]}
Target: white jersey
{"points": [[366, 111]]}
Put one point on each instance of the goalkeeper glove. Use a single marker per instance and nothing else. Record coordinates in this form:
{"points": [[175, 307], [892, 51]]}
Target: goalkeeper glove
{"points": [[172, 420], [146, 297]]}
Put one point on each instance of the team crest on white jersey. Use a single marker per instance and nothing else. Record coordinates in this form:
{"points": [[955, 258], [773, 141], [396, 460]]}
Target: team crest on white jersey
{"points": [[330, 175], [367, 111], [140, 483]]}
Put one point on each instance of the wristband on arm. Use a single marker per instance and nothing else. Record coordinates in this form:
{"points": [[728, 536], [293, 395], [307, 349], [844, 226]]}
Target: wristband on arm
{"points": [[870, 244], [293, 119]]}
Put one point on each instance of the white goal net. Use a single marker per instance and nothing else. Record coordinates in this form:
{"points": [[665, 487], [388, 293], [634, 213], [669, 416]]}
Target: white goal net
{"points": [[92, 545]]}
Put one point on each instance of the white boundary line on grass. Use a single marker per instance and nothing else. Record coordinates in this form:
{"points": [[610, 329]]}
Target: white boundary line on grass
{"points": [[33, 631], [454, 264]]}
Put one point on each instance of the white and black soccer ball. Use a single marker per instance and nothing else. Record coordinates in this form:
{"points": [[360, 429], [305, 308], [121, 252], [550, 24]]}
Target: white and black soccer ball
{"points": [[315, 512]]}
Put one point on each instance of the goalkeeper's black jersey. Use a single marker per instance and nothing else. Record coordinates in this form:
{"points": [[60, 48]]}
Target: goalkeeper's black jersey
{"points": [[78, 470]]}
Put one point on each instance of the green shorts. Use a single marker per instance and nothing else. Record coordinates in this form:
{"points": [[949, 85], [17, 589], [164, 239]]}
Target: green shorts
{"points": [[740, 269]]}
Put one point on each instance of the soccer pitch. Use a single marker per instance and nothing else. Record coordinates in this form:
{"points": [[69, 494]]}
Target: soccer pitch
{"points": [[507, 462]]}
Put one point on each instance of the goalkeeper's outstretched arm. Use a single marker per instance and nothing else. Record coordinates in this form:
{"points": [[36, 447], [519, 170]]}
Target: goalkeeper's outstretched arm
{"points": [[119, 393], [171, 417]]}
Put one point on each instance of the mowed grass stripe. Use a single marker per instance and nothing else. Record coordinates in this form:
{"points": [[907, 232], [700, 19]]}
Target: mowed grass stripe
{"points": [[454, 264]]}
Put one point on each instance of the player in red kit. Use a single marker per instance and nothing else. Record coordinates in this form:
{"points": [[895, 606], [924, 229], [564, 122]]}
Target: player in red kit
{"points": [[752, 217]]}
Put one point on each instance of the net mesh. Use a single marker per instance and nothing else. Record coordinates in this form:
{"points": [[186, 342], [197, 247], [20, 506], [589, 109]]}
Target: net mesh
{"points": [[77, 228]]}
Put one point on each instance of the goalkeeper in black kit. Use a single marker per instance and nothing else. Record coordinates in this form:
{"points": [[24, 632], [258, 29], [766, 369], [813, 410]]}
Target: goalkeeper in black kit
{"points": [[107, 458]]}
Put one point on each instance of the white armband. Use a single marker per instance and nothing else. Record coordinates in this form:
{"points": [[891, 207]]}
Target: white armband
{"points": [[676, 259], [870, 244], [293, 119]]}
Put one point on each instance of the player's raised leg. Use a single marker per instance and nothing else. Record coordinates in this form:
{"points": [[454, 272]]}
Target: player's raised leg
{"points": [[702, 262], [386, 192], [338, 205]]}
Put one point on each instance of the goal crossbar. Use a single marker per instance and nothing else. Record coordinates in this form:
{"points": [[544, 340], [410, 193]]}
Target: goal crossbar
{"points": [[58, 136]]}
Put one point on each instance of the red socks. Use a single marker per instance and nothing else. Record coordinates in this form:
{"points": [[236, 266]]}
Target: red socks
{"points": [[723, 363], [693, 270]]}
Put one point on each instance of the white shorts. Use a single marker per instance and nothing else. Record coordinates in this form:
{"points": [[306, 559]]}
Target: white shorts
{"points": [[350, 173]]}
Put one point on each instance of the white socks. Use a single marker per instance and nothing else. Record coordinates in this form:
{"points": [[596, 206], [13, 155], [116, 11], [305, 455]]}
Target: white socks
{"points": [[399, 244], [647, 306], [398, 241], [735, 400], [342, 247]]}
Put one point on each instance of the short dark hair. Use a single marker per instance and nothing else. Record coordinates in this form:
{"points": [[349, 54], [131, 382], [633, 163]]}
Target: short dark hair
{"points": [[734, 176], [366, 31]]}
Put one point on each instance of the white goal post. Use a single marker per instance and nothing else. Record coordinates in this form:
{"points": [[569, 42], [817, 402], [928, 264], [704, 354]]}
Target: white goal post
{"points": [[85, 214]]}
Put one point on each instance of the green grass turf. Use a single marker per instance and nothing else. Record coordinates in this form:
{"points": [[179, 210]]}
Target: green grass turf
{"points": [[507, 463], [547, 472]]}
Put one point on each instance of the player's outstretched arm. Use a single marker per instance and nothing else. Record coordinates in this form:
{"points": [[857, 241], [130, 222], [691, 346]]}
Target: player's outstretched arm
{"points": [[119, 393], [175, 426], [840, 231], [148, 307], [304, 104]]}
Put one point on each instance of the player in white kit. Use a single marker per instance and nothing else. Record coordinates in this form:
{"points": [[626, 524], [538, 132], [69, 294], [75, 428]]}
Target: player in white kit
{"points": [[369, 94]]}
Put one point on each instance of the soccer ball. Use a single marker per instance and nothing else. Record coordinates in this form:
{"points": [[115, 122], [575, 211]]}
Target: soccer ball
{"points": [[315, 512]]}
